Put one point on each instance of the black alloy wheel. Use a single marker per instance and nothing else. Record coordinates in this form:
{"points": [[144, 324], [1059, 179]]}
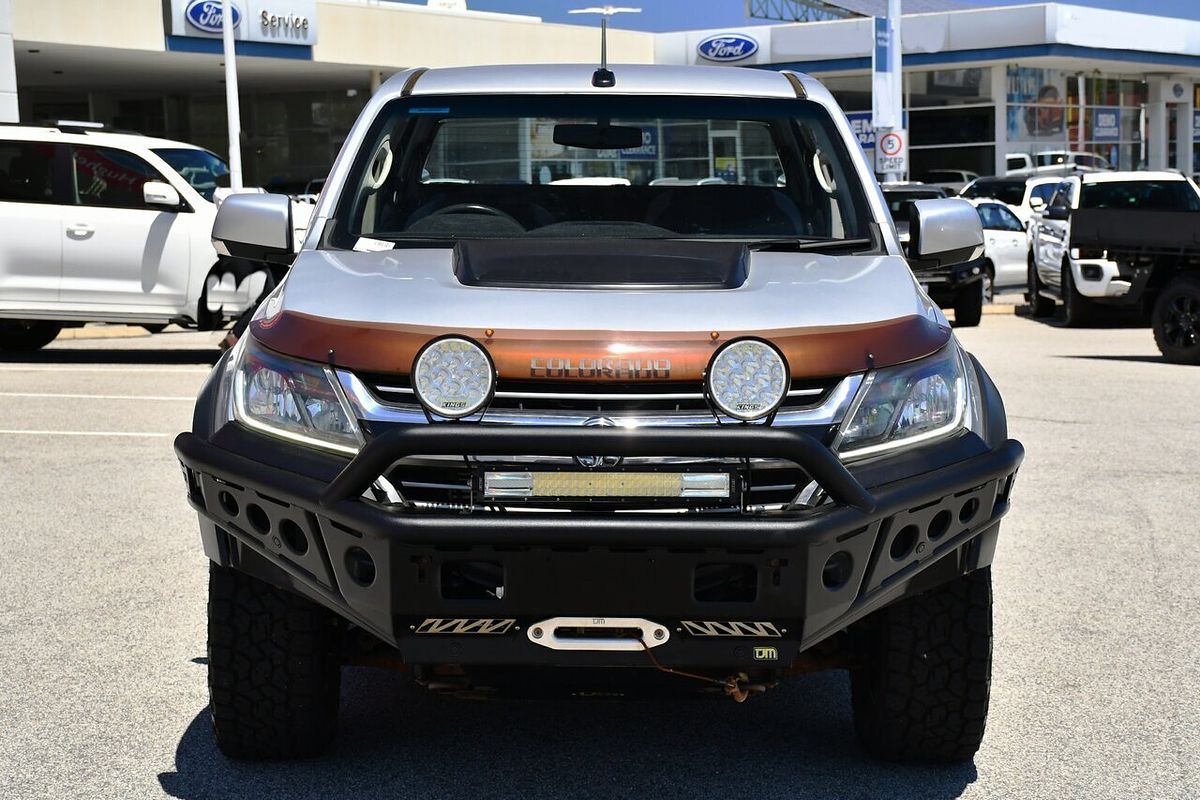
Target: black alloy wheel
{"points": [[1176, 321]]}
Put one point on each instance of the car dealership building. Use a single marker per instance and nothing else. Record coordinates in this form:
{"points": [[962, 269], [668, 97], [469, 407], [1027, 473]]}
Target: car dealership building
{"points": [[978, 83]]}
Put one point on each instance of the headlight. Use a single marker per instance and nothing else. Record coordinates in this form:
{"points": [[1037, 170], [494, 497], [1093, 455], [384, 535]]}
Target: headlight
{"points": [[290, 399], [747, 379], [908, 404], [453, 377]]}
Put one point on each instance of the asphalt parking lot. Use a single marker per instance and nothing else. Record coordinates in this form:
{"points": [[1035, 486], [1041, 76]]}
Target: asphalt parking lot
{"points": [[1097, 652]]}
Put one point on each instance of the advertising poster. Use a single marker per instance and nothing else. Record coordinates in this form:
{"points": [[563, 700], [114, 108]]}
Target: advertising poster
{"points": [[1036, 103]]}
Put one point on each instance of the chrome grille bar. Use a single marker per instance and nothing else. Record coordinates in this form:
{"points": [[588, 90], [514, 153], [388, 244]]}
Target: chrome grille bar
{"points": [[829, 411]]}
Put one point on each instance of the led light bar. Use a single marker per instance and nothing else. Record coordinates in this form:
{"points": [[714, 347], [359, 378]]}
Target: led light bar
{"points": [[605, 484]]}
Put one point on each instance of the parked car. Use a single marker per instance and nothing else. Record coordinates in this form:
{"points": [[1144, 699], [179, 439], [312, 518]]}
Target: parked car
{"points": [[1146, 240], [1054, 162], [963, 286], [1005, 246], [110, 227], [746, 369], [1023, 196], [899, 196], [951, 179]]}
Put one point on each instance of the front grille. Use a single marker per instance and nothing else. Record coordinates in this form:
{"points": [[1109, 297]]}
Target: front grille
{"points": [[602, 399]]}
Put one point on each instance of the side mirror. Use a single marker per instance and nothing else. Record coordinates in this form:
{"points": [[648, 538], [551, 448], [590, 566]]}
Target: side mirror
{"points": [[1036, 203], [944, 232], [257, 227], [1057, 212], [157, 193]]}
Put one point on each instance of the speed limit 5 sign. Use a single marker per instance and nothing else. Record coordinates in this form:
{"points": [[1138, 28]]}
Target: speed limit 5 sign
{"points": [[891, 150]]}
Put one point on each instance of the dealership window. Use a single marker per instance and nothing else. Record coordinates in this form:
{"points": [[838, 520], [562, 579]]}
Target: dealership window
{"points": [[852, 92], [1055, 110], [1196, 128], [951, 120]]}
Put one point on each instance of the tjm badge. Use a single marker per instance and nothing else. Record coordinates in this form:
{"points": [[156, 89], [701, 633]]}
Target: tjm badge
{"points": [[766, 654]]}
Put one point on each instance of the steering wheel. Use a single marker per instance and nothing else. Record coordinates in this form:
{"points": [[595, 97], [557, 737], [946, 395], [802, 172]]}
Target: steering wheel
{"points": [[477, 208]]}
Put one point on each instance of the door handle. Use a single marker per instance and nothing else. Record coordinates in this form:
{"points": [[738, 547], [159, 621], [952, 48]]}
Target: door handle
{"points": [[80, 231]]}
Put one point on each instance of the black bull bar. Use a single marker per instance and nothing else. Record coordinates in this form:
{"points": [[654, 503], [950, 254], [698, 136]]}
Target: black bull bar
{"points": [[740, 441], [340, 499], [969, 497]]}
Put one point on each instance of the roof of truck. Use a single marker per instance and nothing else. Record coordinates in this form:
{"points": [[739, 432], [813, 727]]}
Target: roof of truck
{"points": [[1130, 175], [577, 79]]}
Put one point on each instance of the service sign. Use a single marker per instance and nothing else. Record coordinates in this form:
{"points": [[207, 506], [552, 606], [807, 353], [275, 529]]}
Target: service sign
{"points": [[891, 151], [291, 22]]}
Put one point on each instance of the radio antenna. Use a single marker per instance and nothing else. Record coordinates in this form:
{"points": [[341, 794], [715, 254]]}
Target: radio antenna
{"points": [[604, 77]]}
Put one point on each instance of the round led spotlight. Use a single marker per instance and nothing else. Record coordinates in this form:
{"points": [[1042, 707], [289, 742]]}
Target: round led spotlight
{"points": [[453, 377], [747, 379]]}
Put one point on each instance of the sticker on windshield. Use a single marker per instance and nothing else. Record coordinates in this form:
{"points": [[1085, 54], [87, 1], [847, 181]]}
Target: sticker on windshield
{"points": [[368, 245], [429, 111]]}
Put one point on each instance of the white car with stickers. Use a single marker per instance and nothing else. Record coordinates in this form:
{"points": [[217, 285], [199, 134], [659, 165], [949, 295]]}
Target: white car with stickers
{"points": [[110, 227]]}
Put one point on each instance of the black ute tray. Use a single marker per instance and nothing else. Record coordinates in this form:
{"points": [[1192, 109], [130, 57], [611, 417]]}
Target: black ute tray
{"points": [[1148, 230]]}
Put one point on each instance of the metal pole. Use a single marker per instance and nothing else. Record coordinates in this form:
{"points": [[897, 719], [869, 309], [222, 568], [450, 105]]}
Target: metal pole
{"points": [[895, 52], [233, 111]]}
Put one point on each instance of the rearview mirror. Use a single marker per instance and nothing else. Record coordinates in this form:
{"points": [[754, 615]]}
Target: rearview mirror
{"points": [[944, 232], [597, 137], [257, 227], [157, 193]]}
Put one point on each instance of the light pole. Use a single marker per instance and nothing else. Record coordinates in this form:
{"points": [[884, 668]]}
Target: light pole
{"points": [[233, 110]]}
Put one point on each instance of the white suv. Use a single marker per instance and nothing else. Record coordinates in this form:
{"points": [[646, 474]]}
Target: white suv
{"points": [[110, 227]]}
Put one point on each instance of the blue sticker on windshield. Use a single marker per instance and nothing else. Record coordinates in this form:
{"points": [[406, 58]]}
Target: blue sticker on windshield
{"points": [[429, 111]]}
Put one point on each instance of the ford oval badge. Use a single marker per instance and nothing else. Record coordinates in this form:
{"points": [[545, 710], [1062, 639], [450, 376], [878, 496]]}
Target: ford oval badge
{"points": [[727, 47], [206, 15]]}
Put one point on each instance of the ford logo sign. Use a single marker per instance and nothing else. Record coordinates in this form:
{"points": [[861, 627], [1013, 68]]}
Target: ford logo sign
{"points": [[206, 15], [727, 47]]}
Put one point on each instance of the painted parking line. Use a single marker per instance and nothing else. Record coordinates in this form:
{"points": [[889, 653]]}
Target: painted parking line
{"points": [[124, 434], [62, 396], [71, 368]]}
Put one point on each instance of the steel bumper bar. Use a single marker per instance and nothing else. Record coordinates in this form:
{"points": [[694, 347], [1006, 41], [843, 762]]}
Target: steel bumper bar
{"points": [[570, 563]]}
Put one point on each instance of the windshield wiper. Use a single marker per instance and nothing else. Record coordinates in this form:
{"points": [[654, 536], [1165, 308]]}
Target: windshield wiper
{"points": [[792, 245]]}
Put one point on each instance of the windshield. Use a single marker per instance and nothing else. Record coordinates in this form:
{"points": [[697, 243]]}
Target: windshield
{"points": [[449, 168], [1155, 195], [203, 170], [1011, 192]]}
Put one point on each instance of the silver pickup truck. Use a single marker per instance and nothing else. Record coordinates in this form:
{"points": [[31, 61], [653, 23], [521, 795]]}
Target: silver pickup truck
{"points": [[618, 369]]}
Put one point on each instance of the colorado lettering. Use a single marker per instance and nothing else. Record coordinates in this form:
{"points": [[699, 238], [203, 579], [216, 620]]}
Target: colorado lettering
{"points": [[617, 368]]}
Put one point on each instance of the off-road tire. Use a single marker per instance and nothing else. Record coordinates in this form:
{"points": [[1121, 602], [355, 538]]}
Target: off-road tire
{"points": [[273, 674], [920, 691], [1182, 296], [968, 305], [1078, 311], [989, 283], [27, 335], [1039, 307]]}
